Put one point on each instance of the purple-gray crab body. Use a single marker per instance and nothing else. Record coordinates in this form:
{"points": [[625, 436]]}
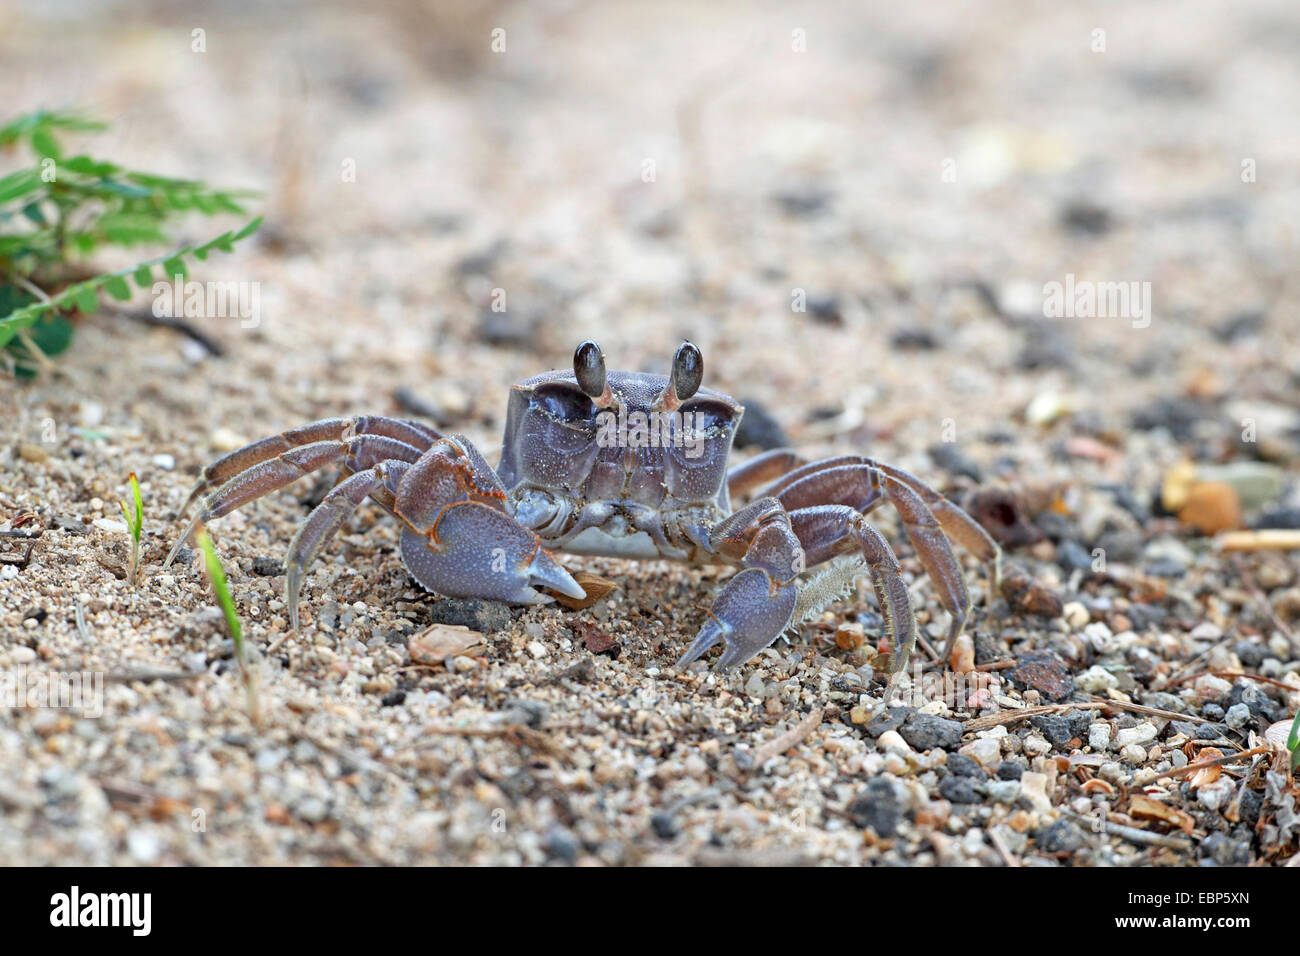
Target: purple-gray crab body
{"points": [[624, 464]]}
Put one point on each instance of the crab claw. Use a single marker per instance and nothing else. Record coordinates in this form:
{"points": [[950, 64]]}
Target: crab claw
{"points": [[748, 614], [473, 550]]}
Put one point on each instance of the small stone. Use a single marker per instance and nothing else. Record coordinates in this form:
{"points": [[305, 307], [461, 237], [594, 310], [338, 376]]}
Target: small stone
{"points": [[165, 462], [1063, 836], [223, 439], [1011, 770], [267, 567], [1238, 716], [859, 715], [958, 789], [1044, 672], [144, 846], [759, 428], [1211, 507], [985, 751], [925, 732], [877, 808], [1141, 734], [561, 844], [1036, 746], [537, 649], [891, 718], [664, 825], [22, 654], [755, 686], [1033, 787], [1099, 736], [486, 617], [891, 740], [1133, 754], [33, 453], [963, 766], [1076, 615], [1097, 680], [849, 636], [1003, 791]]}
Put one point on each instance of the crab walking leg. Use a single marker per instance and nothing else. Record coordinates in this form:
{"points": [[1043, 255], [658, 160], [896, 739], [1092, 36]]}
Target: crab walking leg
{"points": [[328, 429], [956, 523], [860, 487], [328, 516], [756, 604], [761, 469], [830, 530], [356, 454]]}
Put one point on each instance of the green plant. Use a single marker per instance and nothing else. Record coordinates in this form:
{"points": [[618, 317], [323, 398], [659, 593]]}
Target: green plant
{"points": [[62, 210], [220, 587], [1293, 742], [135, 524]]}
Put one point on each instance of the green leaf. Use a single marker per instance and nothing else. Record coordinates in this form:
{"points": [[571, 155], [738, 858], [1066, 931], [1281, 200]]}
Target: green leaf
{"points": [[44, 143], [175, 266], [87, 298], [116, 287], [19, 184], [143, 277], [34, 213], [248, 230]]}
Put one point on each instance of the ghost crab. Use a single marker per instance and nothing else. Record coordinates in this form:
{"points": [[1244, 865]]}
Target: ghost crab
{"points": [[623, 464]]}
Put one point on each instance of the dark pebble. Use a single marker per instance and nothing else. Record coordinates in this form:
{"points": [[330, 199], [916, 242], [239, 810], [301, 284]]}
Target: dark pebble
{"points": [[507, 329], [1286, 518], [1165, 568], [759, 429], [1126, 499], [1145, 616], [1044, 672], [1055, 527], [958, 789], [914, 340], [1178, 415], [877, 807], [664, 825], [1086, 218], [1251, 653], [486, 617], [1243, 325], [890, 719], [560, 844], [1061, 837], [1260, 704], [988, 649], [394, 699], [964, 766], [268, 567], [949, 456], [1120, 545], [1060, 729], [529, 713], [1251, 803], [1011, 769], [925, 732], [1225, 850], [825, 308], [803, 201], [1213, 712], [1073, 556]]}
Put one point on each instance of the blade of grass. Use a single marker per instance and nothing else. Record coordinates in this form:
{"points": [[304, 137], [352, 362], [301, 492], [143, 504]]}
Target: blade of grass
{"points": [[221, 588]]}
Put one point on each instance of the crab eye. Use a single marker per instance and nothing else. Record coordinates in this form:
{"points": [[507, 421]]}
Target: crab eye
{"points": [[565, 405], [688, 371], [589, 369], [708, 419]]}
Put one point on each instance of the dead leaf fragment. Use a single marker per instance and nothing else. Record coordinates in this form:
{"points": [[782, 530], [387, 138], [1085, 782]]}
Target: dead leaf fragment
{"points": [[595, 586], [1144, 808], [441, 641], [1206, 775]]}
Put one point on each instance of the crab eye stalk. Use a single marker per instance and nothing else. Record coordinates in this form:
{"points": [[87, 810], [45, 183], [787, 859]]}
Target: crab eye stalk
{"points": [[589, 369], [688, 371]]}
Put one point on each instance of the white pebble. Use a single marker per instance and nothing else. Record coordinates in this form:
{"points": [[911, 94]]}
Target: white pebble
{"points": [[1099, 736], [1096, 680]]}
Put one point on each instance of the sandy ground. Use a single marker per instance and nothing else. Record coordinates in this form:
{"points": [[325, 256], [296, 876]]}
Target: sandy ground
{"points": [[639, 174]]}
